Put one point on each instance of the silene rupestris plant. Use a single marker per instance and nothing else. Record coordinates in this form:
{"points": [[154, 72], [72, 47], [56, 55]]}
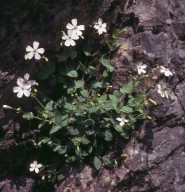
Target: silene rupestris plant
{"points": [[87, 115]]}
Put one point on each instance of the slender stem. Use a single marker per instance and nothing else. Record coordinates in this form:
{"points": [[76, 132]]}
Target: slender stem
{"points": [[39, 102]]}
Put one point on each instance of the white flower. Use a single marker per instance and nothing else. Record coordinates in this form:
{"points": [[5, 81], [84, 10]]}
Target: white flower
{"points": [[100, 26], [122, 120], [75, 28], [24, 86], [165, 71], [141, 68], [35, 166], [69, 38], [162, 91], [34, 52]]}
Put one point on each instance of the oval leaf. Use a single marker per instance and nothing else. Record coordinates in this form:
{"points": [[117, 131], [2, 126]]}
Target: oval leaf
{"points": [[97, 163], [72, 73]]}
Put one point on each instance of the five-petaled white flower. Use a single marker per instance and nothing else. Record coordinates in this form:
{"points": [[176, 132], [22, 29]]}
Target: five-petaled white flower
{"points": [[122, 120], [162, 91], [165, 71], [34, 52], [100, 26], [35, 166], [69, 38], [24, 86], [75, 28], [141, 68]]}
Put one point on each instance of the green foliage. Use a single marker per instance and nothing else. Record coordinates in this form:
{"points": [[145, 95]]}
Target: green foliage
{"points": [[80, 123]]}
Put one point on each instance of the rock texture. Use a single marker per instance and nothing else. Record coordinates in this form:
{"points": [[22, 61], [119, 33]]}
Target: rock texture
{"points": [[155, 35]]}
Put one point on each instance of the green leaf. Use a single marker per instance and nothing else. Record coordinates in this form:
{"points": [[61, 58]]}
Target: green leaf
{"points": [[97, 163], [50, 67], [54, 129], [106, 62], [97, 85], [62, 150], [74, 131], [79, 84], [89, 122], [56, 148], [73, 54], [119, 128], [87, 53], [62, 58], [72, 73], [108, 136], [61, 177], [113, 98], [108, 105], [68, 106], [105, 73], [90, 70], [85, 141], [90, 131], [28, 116], [92, 109], [58, 118], [128, 88], [43, 75], [127, 109], [49, 106], [84, 93], [102, 98], [114, 46]]}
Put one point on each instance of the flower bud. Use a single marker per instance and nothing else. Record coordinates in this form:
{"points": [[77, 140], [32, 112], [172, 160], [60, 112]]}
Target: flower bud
{"points": [[18, 109], [7, 107]]}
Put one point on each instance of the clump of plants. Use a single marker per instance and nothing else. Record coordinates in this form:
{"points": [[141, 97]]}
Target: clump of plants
{"points": [[86, 118]]}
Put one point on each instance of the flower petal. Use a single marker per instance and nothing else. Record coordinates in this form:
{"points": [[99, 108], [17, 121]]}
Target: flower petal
{"points": [[78, 32], [119, 119], [74, 22], [72, 42], [122, 123], [16, 89], [39, 165], [26, 93], [104, 25], [20, 82], [40, 50], [37, 56], [67, 42], [32, 169], [20, 94], [35, 45], [65, 37], [69, 26], [81, 27], [30, 55], [29, 48], [36, 170], [27, 76]]}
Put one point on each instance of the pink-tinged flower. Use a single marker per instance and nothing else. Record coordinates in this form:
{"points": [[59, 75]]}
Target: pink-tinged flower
{"points": [[35, 166], [165, 71], [24, 86], [75, 28], [34, 51], [122, 120], [69, 38], [100, 26]]}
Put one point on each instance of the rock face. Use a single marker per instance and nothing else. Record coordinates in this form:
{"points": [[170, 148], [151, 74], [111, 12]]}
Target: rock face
{"points": [[155, 36]]}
